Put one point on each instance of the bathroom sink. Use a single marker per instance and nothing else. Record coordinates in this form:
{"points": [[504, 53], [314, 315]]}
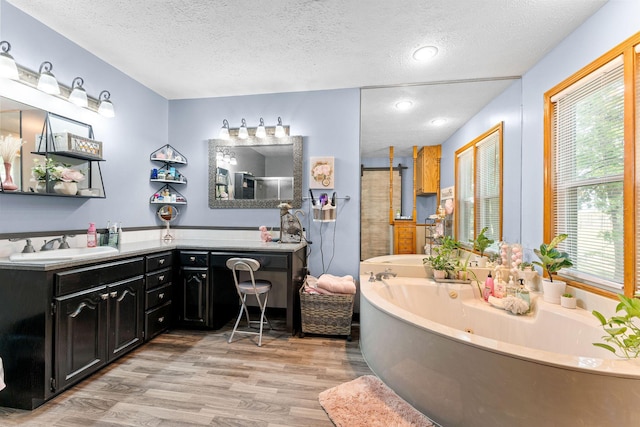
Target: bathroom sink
{"points": [[62, 254]]}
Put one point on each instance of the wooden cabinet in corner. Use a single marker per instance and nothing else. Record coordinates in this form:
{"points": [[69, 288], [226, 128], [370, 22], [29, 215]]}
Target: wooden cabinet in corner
{"points": [[428, 170]]}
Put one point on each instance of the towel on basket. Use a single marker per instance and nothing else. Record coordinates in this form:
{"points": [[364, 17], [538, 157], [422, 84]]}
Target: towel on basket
{"points": [[329, 284]]}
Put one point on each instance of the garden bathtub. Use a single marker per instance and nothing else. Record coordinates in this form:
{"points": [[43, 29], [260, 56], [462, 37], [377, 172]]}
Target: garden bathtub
{"points": [[464, 363]]}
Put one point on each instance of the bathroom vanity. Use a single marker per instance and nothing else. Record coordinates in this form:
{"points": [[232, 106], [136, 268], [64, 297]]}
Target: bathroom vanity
{"points": [[62, 321]]}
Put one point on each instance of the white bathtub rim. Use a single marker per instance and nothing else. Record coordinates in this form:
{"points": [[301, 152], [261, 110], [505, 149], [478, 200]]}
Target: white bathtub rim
{"points": [[622, 368]]}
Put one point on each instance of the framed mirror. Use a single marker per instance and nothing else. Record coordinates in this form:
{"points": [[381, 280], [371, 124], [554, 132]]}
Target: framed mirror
{"points": [[255, 172]]}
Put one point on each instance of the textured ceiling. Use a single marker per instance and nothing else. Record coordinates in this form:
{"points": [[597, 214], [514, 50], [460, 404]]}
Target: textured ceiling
{"points": [[197, 48]]}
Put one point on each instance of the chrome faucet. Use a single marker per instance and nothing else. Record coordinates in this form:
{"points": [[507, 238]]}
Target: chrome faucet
{"points": [[385, 274], [49, 245], [28, 248]]}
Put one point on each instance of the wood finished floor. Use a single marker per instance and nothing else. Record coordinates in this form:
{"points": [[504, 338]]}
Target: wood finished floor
{"points": [[194, 378]]}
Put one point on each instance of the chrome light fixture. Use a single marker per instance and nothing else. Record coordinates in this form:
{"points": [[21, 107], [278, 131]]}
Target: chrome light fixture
{"points": [[233, 160], [47, 81], [106, 107], [78, 95], [243, 133], [279, 129], [219, 155], [8, 67], [261, 131], [227, 156], [224, 130]]}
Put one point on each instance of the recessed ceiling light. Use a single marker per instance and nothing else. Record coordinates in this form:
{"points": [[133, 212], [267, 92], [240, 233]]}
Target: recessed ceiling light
{"points": [[438, 122], [425, 53], [403, 105]]}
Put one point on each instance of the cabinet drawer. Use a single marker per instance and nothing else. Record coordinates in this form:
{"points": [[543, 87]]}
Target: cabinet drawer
{"points": [[158, 296], [159, 278], [95, 275], [157, 320], [193, 259], [267, 261], [157, 261]]}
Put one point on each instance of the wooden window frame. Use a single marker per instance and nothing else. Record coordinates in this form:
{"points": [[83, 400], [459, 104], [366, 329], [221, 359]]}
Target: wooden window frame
{"points": [[627, 50], [474, 144]]}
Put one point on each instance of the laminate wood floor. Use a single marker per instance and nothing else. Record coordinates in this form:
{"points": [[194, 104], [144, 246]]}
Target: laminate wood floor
{"points": [[195, 378]]}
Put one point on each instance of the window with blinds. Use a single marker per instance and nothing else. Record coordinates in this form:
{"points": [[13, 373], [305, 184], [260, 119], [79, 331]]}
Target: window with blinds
{"points": [[588, 174], [479, 187], [592, 187]]}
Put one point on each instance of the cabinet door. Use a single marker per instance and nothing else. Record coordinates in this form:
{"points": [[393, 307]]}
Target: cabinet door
{"points": [[81, 335], [194, 295], [126, 316]]}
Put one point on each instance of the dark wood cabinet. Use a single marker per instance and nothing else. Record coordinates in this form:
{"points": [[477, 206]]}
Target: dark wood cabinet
{"points": [[81, 336], [96, 325], [126, 316], [158, 301], [194, 309]]}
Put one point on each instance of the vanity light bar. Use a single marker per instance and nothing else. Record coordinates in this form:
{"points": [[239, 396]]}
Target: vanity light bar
{"points": [[31, 78], [270, 131]]}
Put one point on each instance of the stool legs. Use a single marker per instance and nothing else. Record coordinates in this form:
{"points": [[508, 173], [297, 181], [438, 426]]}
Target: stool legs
{"points": [[262, 303]]}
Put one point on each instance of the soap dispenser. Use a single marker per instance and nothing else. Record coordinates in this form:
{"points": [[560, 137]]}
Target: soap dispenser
{"points": [[488, 287], [92, 235]]}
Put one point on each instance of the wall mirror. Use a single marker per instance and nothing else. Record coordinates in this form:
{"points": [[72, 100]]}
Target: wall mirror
{"points": [[45, 138], [255, 172]]}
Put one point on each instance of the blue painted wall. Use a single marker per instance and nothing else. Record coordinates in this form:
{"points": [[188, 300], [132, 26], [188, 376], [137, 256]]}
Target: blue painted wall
{"points": [[329, 122]]}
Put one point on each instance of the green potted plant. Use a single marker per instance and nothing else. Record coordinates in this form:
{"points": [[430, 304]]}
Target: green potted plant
{"points": [[480, 244], [552, 261], [622, 331], [568, 301], [442, 260]]}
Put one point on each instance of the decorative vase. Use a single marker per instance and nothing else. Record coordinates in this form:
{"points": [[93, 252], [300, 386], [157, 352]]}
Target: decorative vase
{"points": [[568, 302], [68, 188], [552, 291], [439, 274], [7, 184]]}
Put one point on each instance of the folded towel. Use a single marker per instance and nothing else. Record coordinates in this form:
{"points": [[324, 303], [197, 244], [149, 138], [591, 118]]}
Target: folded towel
{"points": [[336, 284]]}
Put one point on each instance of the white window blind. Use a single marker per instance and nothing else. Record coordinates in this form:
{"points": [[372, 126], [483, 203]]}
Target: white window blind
{"points": [[488, 185], [587, 176], [464, 194]]}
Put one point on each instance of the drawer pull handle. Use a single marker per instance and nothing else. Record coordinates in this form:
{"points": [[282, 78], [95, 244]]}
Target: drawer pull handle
{"points": [[160, 319], [161, 261], [160, 296], [104, 296], [204, 276], [192, 258], [114, 294], [161, 277]]}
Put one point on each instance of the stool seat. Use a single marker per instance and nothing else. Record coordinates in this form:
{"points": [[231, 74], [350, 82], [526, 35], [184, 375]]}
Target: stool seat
{"points": [[256, 287]]}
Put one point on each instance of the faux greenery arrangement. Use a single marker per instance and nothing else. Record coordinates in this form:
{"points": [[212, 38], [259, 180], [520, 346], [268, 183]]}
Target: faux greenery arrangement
{"points": [[551, 259], [622, 331], [55, 171], [482, 242]]}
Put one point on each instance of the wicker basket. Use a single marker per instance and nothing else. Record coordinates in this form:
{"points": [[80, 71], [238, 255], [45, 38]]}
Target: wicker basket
{"points": [[326, 314]]}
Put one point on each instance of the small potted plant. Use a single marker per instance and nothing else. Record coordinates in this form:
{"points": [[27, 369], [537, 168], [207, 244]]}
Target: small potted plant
{"points": [[552, 261], [528, 273], [568, 301], [442, 261], [480, 244]]}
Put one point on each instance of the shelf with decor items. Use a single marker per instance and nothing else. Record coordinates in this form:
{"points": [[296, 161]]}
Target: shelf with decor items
{"points": [[168, 174], [167, 195], [63, 159]]}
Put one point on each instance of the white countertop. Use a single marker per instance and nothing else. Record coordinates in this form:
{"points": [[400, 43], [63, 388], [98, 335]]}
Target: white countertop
{"points": [[150, 246]]}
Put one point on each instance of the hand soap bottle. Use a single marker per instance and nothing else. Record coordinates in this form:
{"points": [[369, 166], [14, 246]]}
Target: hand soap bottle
{"points": [[488, 287], [92, 235]]}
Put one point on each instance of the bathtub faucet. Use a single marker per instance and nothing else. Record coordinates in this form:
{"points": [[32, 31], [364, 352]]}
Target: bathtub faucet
{"points": [[385, 275]]}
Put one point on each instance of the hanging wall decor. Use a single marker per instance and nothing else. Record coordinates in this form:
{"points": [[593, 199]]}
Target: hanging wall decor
{"points": [[322, 172]]}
